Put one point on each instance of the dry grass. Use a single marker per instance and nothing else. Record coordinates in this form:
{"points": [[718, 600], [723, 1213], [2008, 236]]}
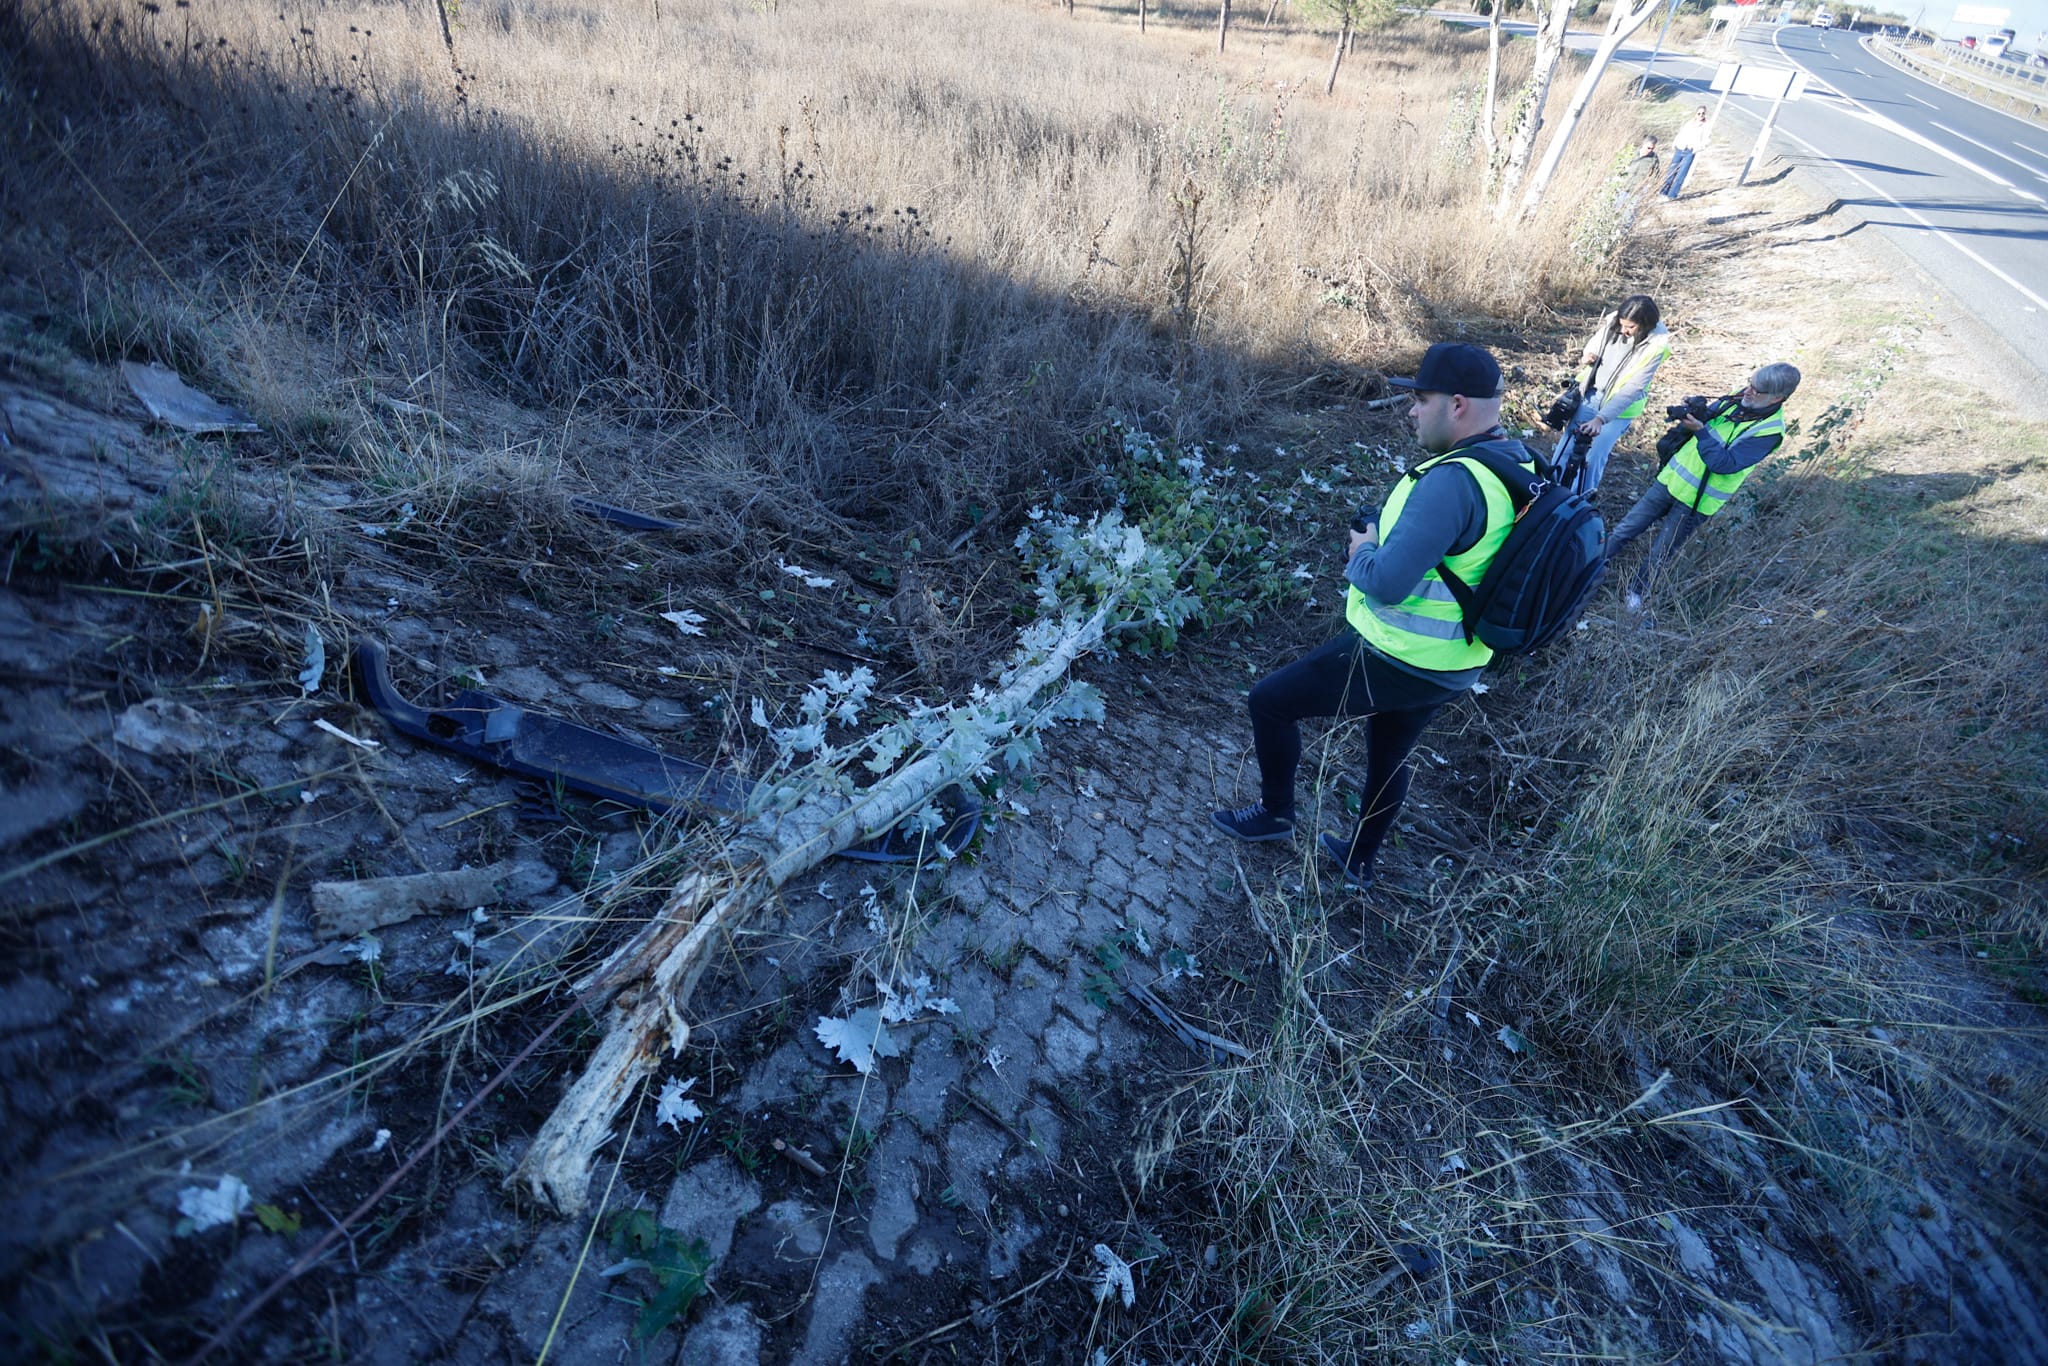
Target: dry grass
{"points": [[907, 276]]}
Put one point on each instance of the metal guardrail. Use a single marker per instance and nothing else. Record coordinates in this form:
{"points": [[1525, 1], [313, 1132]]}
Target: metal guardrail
{"points": [[2021, 90]]}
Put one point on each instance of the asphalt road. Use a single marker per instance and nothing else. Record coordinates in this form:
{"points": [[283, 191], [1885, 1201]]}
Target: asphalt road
{"points": [[1960, 189]]}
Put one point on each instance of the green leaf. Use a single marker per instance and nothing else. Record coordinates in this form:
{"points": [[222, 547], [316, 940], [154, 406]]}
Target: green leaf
{"points": [[682, 1280], [278, 1221]]}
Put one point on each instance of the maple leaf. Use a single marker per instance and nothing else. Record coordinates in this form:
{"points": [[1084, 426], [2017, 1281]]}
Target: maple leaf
{"points": [[858, 1039]]}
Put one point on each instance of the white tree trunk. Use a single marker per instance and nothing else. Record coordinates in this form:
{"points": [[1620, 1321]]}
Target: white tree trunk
{"points": [[1628, 16], [646, 984], [1487, 110], [1549, 47]]}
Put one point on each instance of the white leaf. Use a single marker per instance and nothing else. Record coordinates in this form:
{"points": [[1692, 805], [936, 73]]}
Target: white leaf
{"points": [[1511, 1040], [672, 1109], [367, 949], [214, 1208], [760, 714], [1479, 687], [1115, 1276], [858, 1039], [1453, 1163], [688, 622], [1472, 1019], [797, 571], [316, 661]]}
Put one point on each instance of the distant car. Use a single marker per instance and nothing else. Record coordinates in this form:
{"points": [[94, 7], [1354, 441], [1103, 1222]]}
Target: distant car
{"points": [[2039, 59], [1822, 19], [1998, 42], [1970, 41]]}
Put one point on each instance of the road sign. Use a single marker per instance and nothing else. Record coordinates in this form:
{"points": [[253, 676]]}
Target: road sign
{"points": [[1764, 82]]}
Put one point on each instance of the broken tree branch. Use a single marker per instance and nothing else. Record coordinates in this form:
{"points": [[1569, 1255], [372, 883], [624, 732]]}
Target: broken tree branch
{"points": [[649, 980]]}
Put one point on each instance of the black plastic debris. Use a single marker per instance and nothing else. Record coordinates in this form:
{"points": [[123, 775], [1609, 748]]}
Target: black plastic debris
{"points": [[492, 730]]}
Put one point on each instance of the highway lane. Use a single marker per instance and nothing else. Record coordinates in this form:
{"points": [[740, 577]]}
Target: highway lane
{"points": [[1961, 189]]}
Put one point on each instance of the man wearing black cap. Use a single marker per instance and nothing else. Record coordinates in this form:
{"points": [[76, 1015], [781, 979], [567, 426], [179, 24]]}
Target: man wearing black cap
{"points": [[1405, 653]]}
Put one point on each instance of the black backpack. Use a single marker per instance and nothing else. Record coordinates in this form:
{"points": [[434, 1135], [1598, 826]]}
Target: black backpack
{"points": [[1543, 573]]}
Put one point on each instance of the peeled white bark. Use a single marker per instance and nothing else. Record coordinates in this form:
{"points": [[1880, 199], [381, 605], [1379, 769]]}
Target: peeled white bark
{"points": [[649, 980], [1628, 16], [1549, 48]]}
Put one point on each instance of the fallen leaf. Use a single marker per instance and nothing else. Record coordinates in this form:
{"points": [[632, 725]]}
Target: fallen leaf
{"points": [[859, 1039]]}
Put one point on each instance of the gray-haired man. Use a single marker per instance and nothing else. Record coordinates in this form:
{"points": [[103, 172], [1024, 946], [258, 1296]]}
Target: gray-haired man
{"points": [[1738, 433]]}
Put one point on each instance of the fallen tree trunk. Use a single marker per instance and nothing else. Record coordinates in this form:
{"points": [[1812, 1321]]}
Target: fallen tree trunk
{"points": [[649, 980]]}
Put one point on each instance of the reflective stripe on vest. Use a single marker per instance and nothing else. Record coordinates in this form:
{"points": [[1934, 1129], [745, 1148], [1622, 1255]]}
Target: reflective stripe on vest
{"points": [[1686, 477], [1635, 366], [1426, 629]]}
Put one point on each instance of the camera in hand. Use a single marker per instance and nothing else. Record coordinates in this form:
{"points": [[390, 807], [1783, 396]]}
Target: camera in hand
{"points": [[1562, 407], [1677, 434]]}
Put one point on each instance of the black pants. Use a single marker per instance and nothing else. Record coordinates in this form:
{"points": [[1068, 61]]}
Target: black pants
{"points": [[1344, 678]]}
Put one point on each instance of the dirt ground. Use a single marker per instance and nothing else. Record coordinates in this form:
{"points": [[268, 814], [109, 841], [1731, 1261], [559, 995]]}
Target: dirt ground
{"points": [[177, 1031]]}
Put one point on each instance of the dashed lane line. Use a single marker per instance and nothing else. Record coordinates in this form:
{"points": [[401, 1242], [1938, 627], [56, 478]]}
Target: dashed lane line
{"points": [[1939, 232], [1993, 150]]}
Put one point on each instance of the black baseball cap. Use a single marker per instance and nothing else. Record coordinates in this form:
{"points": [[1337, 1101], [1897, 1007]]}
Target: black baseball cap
{"points": [[1455, 368]]}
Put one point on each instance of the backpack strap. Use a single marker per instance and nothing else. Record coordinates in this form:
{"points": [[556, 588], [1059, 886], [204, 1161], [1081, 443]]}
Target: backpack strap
{"points": [[1521, 487]]}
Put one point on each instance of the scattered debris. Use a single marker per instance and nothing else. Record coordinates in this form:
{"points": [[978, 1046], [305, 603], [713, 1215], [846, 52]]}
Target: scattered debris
{"points": [[171, 400], [316, 661], [342, 910], [1213, 1047], [322, 723], [1115, 1277], [688, 622], [213, 1208], [802, 1158], [625, 517], [161, 726], [495, 731]]}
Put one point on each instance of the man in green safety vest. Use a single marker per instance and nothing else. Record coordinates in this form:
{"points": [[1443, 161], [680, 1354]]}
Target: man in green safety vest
{"points": [[1734, 437], [1405, 652]]}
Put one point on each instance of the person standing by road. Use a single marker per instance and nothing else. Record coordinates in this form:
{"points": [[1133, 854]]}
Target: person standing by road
{"points": [[1689, 142], [1404, 652], [1728, 438], [1616, 366]]}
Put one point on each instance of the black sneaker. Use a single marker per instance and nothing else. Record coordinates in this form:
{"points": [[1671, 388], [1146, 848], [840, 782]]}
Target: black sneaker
{"points": [[1254, 823], [1339, 848]]}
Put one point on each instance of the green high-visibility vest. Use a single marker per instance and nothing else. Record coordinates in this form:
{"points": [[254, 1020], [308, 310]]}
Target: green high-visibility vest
{"points": [[1426, 629], [1640, 360], [1686, 477]]}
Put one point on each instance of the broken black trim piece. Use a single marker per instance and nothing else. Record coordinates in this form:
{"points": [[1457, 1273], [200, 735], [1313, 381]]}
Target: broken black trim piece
{"points": [[491, 730], [625, 517]]}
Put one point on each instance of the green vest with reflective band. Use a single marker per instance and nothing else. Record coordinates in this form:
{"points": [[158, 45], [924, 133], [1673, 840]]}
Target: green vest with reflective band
{"points": [[1641, 359], [1426, 630], [1685, 476]]}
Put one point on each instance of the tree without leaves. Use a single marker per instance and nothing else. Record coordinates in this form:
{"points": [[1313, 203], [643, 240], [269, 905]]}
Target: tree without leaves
{"points": [[1222, 24], [1628, 16], [1549, 48], [1487, 106]]}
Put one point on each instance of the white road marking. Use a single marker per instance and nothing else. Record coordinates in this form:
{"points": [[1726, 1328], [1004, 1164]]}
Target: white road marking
{"points": [[1911, 96], [1993, 150], [2035, 150], [1941, 233]]}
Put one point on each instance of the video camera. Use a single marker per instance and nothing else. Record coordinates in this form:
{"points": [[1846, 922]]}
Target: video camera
{"points": [[1563, 406]]}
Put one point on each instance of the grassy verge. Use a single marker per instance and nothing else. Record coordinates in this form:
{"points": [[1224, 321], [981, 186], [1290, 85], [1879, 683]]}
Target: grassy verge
{"points": [[1750, 947]]}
